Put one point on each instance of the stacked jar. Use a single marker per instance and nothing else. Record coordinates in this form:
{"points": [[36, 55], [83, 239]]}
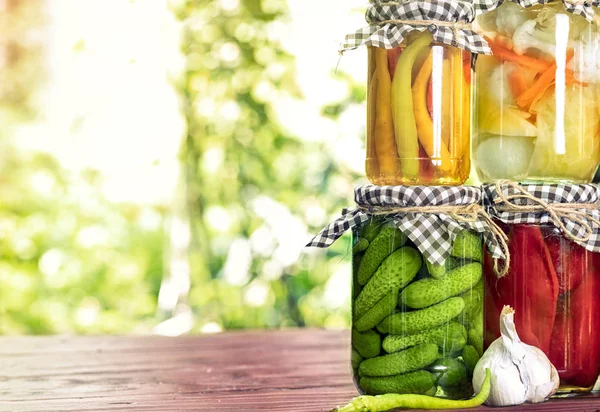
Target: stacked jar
{"points": [[537, 122], [426, 293], [417, 313], [417, 289]]}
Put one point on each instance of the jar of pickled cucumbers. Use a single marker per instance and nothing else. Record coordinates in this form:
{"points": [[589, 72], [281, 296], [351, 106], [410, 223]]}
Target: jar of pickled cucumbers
{"points": [[417, 326], [418, 91], [417, 288], [553, 282], [537, 100]]}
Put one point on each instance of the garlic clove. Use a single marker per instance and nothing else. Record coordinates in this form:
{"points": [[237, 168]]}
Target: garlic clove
{"points": [[520, 372]]}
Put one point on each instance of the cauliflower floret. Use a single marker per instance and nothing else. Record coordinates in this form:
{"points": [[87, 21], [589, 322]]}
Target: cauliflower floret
{"points": [[525, 39], [509, 17]]}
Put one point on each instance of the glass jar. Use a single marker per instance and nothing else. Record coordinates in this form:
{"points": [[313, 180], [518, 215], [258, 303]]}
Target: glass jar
{"points": [[553, 284], [537, 101], [416, 327], [418, 114]]}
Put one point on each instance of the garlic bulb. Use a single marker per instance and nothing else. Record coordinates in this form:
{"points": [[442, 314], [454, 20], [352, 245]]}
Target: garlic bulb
{"points": [[520, 372]]}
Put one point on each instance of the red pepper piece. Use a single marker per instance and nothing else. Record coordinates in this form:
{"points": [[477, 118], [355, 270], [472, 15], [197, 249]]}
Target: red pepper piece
{"points": [[531, 286], [569, 261], [575, 350], [426, 170], [466, 56], [393, 55]]}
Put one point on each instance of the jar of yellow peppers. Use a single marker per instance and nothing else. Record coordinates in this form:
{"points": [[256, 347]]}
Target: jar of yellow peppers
{"points": [[537, 100], [418, 114], [418, 94]]}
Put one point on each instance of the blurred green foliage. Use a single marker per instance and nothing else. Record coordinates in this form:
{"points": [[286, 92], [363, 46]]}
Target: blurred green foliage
{"points": [[70, 260], [73, 261], [232, 55]]}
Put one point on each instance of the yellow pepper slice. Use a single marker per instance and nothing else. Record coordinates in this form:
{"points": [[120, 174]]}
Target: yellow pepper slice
{"points": [[424, 122], [405, 126]]}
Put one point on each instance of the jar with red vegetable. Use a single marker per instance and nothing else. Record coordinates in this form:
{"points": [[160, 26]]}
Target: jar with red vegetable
{"points": [[553, 280], [418, 91]]}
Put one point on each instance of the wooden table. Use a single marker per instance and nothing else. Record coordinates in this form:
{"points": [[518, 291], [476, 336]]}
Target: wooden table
{"points": [[294, 371]]}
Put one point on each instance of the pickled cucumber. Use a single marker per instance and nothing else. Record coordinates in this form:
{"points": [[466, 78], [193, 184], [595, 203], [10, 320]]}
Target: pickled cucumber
{"points": [[449, 372], [371, 229], [438, 271], [470, 358], [379, 312], [397, 363], [355, 359], [396, 271], [413, 382], [386, 242], [408, 323], [450, 337], [356, 288], [467, 245], [472, 315], [475, 338], [361, 245], [368, 344], [427, 292]]}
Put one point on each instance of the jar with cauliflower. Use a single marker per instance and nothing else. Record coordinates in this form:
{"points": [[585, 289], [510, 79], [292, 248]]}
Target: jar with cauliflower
{"points": [[537, 100]]}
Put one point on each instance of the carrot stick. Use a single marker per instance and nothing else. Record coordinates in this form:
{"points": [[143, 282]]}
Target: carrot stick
{"points": [[539, 87], [503, 41], [516, 82], [524, 60]]}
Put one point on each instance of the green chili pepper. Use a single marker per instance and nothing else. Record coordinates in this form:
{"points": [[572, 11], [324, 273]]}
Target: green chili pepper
{"points": [[389, 401], [405, 126]]}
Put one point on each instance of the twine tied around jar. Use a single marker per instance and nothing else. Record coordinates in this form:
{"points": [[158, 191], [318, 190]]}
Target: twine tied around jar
{"points": [[462, 213], [430, 24], [557, 211]]}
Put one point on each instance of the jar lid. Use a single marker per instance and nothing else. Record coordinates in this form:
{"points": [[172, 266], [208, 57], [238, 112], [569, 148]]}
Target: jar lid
{"points": [[449, 21], [583, 8], [431, 217], [572, 208]]}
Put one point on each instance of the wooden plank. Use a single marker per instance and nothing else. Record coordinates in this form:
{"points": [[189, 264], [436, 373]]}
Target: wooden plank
{"points": [[296, 370]]}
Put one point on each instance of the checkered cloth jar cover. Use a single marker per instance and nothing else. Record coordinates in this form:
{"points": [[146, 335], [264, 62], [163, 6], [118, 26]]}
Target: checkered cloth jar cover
{"points": [[390, 22], [432, 233]]}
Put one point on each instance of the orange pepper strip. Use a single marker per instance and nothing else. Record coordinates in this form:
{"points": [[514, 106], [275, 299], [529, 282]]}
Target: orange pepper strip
{"points": [[372, 164]]}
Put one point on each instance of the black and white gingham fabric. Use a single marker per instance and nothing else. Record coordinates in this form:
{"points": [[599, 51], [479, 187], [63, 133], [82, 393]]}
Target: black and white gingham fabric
{"points": [[390, 35], [550, 193], [585, 9], [433, 234]]}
